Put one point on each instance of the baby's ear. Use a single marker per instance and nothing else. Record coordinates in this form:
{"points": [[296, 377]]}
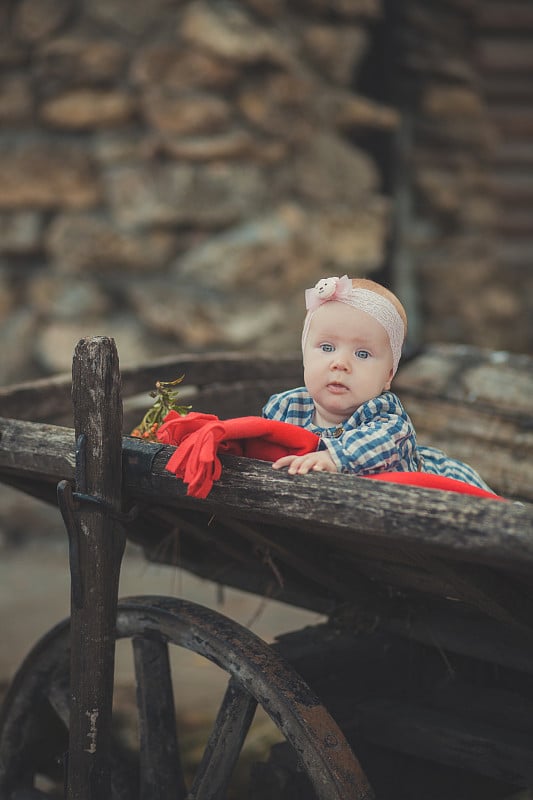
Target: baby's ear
{"points": [[389, 381]]}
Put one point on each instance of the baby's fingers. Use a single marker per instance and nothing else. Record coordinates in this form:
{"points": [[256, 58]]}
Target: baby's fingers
{"points": [[301, 465], [284, 461]]}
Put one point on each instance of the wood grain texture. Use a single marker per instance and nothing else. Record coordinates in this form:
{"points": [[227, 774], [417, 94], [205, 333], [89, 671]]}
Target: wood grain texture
{"points": [[338, 508], [99, 546]]}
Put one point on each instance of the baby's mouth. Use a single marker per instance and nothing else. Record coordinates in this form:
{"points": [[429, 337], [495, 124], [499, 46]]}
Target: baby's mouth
{"points": [[336, 388]]}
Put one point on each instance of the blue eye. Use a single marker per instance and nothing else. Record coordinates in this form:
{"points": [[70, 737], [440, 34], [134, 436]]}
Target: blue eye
{"points": [[362, 354], [327, 348]]}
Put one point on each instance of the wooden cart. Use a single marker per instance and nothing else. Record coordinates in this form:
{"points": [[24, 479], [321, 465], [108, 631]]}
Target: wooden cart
{"points": [[419, 685]]}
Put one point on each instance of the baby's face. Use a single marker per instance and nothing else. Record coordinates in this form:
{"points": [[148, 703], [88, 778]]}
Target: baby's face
{"points": [[347, 361]]}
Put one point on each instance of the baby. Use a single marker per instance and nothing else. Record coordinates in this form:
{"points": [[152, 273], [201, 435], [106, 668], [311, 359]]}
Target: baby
{"points": [[352, 341]]}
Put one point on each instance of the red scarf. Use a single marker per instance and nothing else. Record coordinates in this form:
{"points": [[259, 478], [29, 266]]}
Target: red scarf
{"points": [[200, 437]]}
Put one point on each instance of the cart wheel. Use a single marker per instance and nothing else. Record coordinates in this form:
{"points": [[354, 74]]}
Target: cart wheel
{"points": [[256, 676]]}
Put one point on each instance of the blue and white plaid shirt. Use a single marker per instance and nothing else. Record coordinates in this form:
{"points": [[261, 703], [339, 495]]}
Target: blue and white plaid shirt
{"points": [[378, 437]]}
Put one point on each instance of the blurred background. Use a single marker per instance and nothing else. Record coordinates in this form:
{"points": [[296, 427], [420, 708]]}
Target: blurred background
{"points": [[174, 173]]}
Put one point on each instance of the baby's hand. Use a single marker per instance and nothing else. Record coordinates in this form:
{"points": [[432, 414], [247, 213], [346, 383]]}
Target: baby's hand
{"points": [[320, 461]]}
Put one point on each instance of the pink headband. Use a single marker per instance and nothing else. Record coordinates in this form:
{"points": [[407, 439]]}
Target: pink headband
{"points": [[381, 309]]}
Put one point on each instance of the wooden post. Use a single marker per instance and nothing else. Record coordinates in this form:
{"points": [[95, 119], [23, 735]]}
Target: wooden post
{"points": [[95, 566]]}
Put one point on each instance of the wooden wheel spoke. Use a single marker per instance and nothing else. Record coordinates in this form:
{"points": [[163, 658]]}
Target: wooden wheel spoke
{"points": [[36, 703], [225, 744], [161, 773], [58, 697]]}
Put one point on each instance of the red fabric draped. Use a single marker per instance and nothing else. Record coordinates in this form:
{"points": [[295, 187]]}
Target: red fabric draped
{"points": [[427, 481], [200, 438]]}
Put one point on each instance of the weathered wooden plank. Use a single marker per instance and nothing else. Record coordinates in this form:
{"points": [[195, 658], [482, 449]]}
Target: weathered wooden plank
{"points": [[478, 407], [514, 223], [432, 60], [501, 450], [463, 136], [97, 544], [37, 451], [516, 152], [505, 54], [299, 567], [503, 91], [227, 400], [508, 16], [485, 749], [435, 519], [200, 544], [492, 593], [512, 121], [483, 379], [454, 628], [365, 675], [41, 400], [516, 254], [49, 398], [339, 508], [443, 25]]}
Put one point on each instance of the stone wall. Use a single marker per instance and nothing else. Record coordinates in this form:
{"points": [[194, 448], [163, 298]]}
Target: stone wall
{"points": [[174, 173], [462, 177]]}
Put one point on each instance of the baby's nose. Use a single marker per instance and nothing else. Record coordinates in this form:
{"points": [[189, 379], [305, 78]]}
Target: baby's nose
{"points": [[340, 362]]}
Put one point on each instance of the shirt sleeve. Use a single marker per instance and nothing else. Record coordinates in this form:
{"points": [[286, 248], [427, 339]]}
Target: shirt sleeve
{"points": [[273, 408], [384, 444], [294, 406]]}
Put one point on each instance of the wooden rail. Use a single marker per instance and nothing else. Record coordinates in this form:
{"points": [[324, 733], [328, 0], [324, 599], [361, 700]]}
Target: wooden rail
{"points": [[339, 506]]}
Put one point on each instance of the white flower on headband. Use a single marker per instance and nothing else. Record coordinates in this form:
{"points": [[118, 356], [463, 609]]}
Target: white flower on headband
{"points": [[328, 289]]}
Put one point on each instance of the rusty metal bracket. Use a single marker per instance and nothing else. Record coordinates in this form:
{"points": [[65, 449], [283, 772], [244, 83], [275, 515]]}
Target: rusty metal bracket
{"points": [[69, 503], [138, 457], [67, 507], [120, 516]]}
